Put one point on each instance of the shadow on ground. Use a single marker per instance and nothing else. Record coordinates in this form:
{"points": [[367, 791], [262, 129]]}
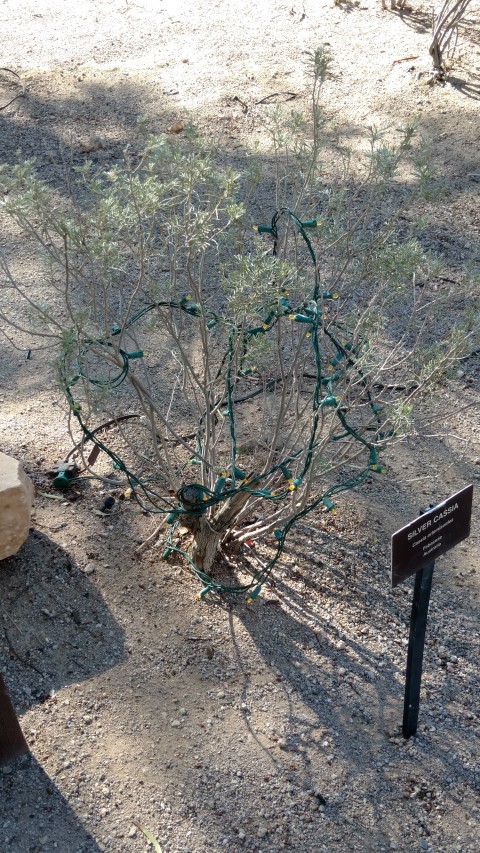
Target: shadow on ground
{"points": [[55, 630], [35, 815], [56, 627]]}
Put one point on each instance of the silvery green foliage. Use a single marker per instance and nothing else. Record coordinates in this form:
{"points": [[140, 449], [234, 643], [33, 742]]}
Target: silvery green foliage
{"points": [[160, 298]]}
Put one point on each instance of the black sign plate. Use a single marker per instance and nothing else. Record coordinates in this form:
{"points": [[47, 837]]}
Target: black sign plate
{"points": [[431, 534]]}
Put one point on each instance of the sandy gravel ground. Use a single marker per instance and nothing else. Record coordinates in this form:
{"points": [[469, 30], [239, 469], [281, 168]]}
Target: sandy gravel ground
{"points": [[226, 727]]}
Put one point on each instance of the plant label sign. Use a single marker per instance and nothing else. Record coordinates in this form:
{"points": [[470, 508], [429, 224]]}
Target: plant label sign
{"points": [[431, 534]]}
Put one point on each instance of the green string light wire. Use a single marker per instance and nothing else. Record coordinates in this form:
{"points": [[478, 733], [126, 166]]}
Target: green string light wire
{"points": [[194, 499]]}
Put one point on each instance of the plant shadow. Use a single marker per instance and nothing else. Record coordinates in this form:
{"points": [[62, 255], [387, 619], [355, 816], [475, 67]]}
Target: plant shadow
{"points": [[343, 678]]}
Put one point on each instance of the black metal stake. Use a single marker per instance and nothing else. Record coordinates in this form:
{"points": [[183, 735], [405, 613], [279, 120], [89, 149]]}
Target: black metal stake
{"points": [[418, 625]]}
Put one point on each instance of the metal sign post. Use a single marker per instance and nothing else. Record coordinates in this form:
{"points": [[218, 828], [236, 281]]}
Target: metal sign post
{"points": [[416, 642], [414, 549]]}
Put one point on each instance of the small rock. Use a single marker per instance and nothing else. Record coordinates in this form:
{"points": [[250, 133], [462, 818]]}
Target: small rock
{"points": [[88, 569], [95, 143], [175, 724], [177, 127], [132, 832]]}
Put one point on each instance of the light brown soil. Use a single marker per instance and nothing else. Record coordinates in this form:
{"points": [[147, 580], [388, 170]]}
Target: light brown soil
{"points": [[218, 727]]}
